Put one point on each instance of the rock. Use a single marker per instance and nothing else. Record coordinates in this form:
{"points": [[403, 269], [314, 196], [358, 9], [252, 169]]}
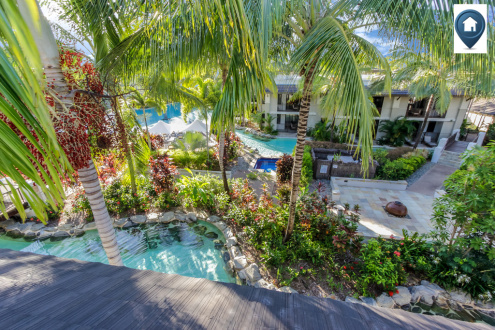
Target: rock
{"points": [[262, 284], [65, 227], [434, 287], [484, 304], [88, 226], [242, 274], [138, 218], [59, 235], [240, 263], [220, 225], [403, 297], [369, 301], [225, 256], [234, 252], [30, 236], [461, 296], [228, 233], [120, 222], [44, 235], [253, 273], [129, 224], [15, 233], [200, 229], [191, 216], [213, 218], [211, 235], [230, 266], [416, 309], [180, 216], [218, 243], [54, 229], [231, 241], [340, 210], [166, 217], [37, 226], [384, 300], [353, 300], [2, 231], [4, 224], [152, 217], [78, 232], [487, 315], [423, 294], [441, 303], [287, 289]]}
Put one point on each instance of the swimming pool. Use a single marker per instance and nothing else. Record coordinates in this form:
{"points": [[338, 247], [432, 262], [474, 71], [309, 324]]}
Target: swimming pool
{"points": [[152, 117], [175, 248], [268, 147], [267, 164]]}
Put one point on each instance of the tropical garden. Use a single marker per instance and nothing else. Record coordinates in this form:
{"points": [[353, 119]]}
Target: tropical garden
{"points": [[69, 123]]}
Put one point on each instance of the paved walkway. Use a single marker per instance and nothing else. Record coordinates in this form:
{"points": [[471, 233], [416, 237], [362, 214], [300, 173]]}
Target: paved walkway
{"points": [[46, 292], [376, 222], [458, 146], [432, 180]]}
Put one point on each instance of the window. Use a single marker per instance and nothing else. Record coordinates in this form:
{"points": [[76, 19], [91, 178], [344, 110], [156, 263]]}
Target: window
{"points": [[279, 119], [378, 101], [279, 99]]}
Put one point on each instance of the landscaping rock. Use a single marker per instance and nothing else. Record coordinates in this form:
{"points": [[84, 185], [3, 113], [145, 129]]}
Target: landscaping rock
{"points": [[262, 284], [242, 274], [166, 217], [15, 233], [152, 217], [44, 235], [54, 229], [353, 300], [191, 216], [2, 231], [59, 235], [403, 297], [369, 301], [211, 235], [441, 302], [180, 216], [484, 305], [234, 252], [218, 243], [37, 226], [220, 225], [129, 224], [213, 218], [240, 263], [421, 293], [384, 300], [225, 256], [65, 227], [30, 236], [228, 233], [434, 287], [253, 273], [199, 229], [4, 224], [78, 232], [287, 289], [487, 315], [461, 296], [231, 241], [88, 226], [120, 222], [340, 210], [138, 218]]}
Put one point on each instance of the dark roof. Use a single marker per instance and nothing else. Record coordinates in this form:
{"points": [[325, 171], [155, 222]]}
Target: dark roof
{"points": [[403, 92], [486, 107], [285, 89], [47, 292]]}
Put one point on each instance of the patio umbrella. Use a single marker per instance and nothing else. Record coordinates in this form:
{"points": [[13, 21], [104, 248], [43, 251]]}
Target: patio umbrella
{"points": [[195, 126], [160, 128]]}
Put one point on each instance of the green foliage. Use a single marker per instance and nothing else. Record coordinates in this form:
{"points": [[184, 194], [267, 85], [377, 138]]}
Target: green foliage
{"points": [[490, 134], [397, 153], [307, 168], [380, 155], [197, 160], [396, 131], [190, 142], [400, 169], [463, 131], [284, 169], [283, 193], [269, 127], [199, 190]]}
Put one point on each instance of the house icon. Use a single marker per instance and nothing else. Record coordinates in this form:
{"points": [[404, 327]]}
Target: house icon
{"points": [[469, 25]]}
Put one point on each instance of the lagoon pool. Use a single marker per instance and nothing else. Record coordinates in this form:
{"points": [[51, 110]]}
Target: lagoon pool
{"points": [[268, 147], [180, 248], [152, 117]]}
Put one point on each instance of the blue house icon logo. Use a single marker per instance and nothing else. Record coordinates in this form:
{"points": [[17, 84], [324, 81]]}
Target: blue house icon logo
{"points": [[469, 26]]}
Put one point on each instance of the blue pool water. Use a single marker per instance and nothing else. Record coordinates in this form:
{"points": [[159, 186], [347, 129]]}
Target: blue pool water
{"points": [[268, 147], [267, 164], [167, 248], [152, 117]]}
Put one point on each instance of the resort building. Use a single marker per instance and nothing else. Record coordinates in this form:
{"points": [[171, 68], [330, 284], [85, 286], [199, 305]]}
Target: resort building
{"points": [[285, 113]]}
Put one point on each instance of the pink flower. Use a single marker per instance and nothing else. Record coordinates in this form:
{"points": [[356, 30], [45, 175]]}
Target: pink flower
{"points": [[397, 253], [118, 203], [392, 236], [401, 243], [302, 267]]}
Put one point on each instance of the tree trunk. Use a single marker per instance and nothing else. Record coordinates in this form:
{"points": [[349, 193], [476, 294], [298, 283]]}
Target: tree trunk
{"points": [[423, 126], [147, 131], [89, 179], [125, 145], [50, 58], [298, 156], [221, 142]]}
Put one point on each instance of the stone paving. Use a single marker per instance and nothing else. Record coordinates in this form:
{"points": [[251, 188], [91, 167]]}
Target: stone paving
{"points": [[376, 222]]}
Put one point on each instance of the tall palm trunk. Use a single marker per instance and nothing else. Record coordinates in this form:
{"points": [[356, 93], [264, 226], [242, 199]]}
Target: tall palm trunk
{"points": [[298, 156], [221, 143], [48, 49], [147, 130], [425, 121]]}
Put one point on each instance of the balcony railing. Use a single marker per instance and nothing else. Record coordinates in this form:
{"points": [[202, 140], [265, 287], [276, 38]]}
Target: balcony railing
{"points": [[287, 107], [420, 113]]}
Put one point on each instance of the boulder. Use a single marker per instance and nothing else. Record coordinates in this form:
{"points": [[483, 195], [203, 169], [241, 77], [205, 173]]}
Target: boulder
{"points": [[180, 216], [461, 296], [65, 227], [211, 235], [129, 224], [403, 297], [213, 218], [166, 217], [191, 216], [44, 235], [434, 287], [240, 263], [120, 222], [54, 229], [242, 274], [30, 236], [384, 300], [369, 301], [262, 284], [152, 217], [228, 233], [218, 243], [4, 224], [89, 226], [421, 293], [353, 300], [138, 218], [231, 241], [234, 252], [220, 225], [78, 232], [487, 315], [59, 235], [15, 233], [287, 289], [37, 226], [253, 273]]}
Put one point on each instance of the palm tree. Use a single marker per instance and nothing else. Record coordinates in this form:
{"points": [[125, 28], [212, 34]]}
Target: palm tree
{"points": [[142, 101], [190, 142], [396, 131], [48, 49], [325, 46]]}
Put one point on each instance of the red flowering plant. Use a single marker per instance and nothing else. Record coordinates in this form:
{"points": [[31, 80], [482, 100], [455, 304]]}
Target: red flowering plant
{"points": [[162, 173], [284, 169]]}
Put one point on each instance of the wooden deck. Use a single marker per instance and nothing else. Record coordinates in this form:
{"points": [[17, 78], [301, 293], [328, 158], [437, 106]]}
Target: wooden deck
{"points": [[46, 292]]}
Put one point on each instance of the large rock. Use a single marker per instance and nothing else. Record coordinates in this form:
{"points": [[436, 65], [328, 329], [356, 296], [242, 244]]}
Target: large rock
{"points": [[30, 236], [240, 263], [353, 300], [54, 229], [287, 289], [180, 216], [138, 218], [166, 217], [77, 232], [369, 301], [15, 233], [89, 226], [213, 218], [152, 217], [234, 252], [262, 284], [25, 227], [65, 227], [421, 293], [487, 315], [44, 235], [403, 297], [461, 296], [59, 235], [4, 224], [37, 226], [228, 233], [384, 300], [231, 241], [221, 225], [129, 224], [434, 287], [242, 274], [191, 216], [120, 222], [253, 273]]}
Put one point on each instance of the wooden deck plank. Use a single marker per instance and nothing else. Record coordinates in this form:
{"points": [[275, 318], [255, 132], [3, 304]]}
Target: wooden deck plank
{"points": [[41, 292]]}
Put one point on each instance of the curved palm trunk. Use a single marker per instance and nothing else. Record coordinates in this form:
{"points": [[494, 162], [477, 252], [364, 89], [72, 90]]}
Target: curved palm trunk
{"points": [[298, 156], [48, 49], [126, 147], [423, 125], [221, 143], [147, 131]]}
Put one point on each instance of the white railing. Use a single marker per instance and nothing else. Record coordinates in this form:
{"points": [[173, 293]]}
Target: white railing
{"points": [[444, 144]]}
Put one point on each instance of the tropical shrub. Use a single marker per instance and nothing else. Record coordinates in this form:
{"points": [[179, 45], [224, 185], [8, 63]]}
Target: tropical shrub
{"points": [[400, 169], [284, 169], [463, 130], [162, 173], [307, 168], [490, 134], [199, 190], [197, 160], [190, 142], [283, 193], [380, 155], [397, 153], [396, 131]]}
